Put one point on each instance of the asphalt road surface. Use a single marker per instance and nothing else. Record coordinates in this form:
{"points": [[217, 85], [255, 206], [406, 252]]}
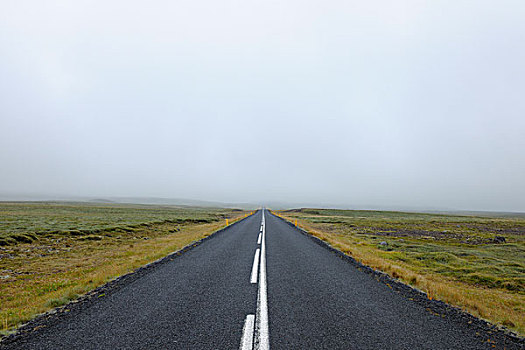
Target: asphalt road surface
{"points": [[259, 284]]}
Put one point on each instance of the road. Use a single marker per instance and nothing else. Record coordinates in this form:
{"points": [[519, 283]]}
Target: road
{"points": [[259, 284]]}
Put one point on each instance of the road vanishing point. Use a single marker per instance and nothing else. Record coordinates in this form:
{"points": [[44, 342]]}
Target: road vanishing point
{"points": [[258, 284]]}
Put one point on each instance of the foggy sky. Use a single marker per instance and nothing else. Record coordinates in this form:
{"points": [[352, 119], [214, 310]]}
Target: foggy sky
{"points": [[358, 103]]}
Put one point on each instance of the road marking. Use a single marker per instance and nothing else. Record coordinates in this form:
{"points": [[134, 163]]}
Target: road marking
{"points": [[255, 266], [255, 330], [247, 333], [262, 341]]}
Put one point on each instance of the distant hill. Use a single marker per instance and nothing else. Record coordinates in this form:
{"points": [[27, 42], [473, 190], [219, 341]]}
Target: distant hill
{"points": [[277, 205], [127, 200], [182, 201]]}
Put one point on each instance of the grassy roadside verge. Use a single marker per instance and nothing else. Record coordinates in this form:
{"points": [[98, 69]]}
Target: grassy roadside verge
{"points": [[474, 263], [45, 263]]}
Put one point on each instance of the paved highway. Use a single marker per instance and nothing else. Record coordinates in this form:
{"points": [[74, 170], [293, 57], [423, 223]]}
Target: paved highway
{"points": [[259, 284]]}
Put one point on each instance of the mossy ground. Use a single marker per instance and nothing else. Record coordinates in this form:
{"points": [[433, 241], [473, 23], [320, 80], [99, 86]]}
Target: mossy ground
{"points": [[69, 249], [474, 262]]}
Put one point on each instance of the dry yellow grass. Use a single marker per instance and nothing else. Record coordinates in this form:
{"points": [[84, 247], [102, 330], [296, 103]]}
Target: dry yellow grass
{"points": [[76, 267], [499, 306]]}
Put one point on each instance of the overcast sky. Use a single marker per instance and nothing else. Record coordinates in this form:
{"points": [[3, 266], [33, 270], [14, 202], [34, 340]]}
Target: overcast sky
{"points": [[360, 103]]}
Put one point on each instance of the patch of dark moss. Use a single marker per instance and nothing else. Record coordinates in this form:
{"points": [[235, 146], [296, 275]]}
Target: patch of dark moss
{"points": [[24, 238]]}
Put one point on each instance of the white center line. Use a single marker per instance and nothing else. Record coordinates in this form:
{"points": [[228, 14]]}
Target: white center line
{"points": [[247, 333], [255, 266], [258, 324], [262, 341]]}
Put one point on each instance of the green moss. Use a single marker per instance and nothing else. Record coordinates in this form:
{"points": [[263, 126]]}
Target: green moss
{"points": [[459, 247], [28, 222], [57, 302], [23, 238], [5, 241]]}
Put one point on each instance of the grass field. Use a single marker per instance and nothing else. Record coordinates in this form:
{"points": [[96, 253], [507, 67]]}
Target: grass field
{"points": [[50, 253], [476, 263]]}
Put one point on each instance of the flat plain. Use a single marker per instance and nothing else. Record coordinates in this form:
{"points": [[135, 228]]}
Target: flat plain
{"points": [[53, 252], [474, 262]]}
